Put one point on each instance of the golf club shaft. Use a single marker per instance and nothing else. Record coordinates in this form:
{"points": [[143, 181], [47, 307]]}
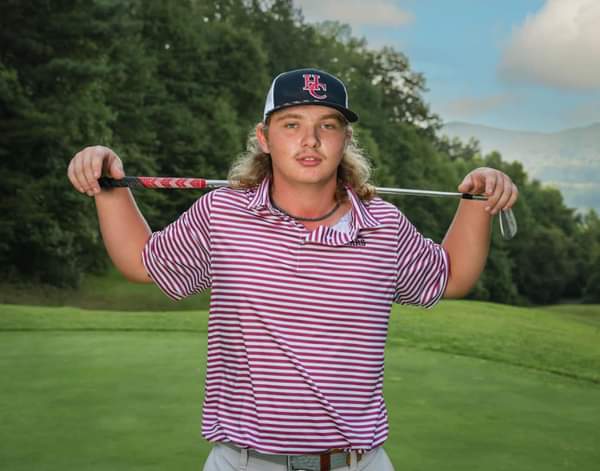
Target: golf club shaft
{"points": [[508, 222]]}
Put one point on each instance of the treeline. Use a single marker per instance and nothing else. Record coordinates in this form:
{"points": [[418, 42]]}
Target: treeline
{"points": [[175, 86]]}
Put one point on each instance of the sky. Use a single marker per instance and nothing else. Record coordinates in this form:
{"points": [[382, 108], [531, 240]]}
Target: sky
{"points": [[529, 65]]}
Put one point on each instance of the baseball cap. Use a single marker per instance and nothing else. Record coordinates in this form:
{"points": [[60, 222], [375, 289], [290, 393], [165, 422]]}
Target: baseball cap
{"points": [[308, 87]]}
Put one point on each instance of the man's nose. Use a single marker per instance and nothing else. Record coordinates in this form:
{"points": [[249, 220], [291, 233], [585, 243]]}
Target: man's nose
{"points": [[311, 136]]}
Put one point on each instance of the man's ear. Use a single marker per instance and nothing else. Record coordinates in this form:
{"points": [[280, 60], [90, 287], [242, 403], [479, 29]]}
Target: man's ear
{"points": [[261, 136], [348, 136]]}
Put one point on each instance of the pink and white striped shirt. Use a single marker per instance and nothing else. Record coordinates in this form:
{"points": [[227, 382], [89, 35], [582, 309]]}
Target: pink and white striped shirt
{"points": [[298, 319]]}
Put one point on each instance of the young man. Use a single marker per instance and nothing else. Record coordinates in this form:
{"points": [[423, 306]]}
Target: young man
{"points": [[304, 262]]}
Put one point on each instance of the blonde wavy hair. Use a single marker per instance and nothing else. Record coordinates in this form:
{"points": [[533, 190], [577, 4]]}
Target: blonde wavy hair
{"points": [[253, 165]]}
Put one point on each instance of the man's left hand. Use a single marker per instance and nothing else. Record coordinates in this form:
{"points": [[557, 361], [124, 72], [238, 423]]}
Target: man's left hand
{"points": [[501, 192]]}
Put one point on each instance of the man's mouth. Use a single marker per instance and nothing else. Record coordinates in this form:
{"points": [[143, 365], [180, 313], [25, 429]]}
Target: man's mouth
{"points": [[309, 160]]}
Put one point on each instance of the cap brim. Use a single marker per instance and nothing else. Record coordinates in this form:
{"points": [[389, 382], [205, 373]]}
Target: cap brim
{"points": [[350, 115]]}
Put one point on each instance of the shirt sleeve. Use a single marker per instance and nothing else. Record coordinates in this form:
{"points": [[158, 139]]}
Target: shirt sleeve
{"points": [[423, 267], [178, 257]]}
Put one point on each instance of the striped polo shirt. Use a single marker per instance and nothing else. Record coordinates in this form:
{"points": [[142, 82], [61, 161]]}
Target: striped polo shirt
{"points": [[298, 319]]}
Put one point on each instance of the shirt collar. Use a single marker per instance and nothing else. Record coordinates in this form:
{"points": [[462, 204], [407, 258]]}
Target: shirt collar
{"points": [[361, 215], [260, 199]]}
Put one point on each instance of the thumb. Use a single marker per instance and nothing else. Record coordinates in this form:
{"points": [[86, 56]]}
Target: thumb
{"points": [[115, 169], [466, 185]]}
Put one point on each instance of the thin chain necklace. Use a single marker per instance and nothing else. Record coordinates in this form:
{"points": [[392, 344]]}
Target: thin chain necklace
{"points": [[298, 218]]}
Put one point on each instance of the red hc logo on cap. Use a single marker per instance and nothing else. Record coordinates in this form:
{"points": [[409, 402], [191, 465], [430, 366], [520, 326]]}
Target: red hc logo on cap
{"points": [[312, 86]]}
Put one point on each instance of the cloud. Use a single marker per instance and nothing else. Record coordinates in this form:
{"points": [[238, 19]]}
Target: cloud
{"points": [[356, 13], [468, 107], [558, 47]]}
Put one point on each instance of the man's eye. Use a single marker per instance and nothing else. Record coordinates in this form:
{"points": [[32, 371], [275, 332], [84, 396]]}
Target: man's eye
{"points": [[330, 125], [290, 125]]}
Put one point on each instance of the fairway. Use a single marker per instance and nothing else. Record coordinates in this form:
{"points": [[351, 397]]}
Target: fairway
{"points": [[468, 386]]}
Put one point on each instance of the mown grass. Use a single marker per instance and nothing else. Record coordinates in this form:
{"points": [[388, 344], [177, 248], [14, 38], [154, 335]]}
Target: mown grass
{"points": [[468, 386], [563, 340]]}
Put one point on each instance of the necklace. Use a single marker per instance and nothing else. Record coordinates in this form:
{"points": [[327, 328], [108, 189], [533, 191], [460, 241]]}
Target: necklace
{"points": [[298, 218]]}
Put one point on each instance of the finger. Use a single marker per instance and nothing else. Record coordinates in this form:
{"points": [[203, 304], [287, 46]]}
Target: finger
{"points": [[72, 177], [466, 185], [97, 168], [478, 180], [115, 168], [492, 188], [491, 184], [78, 172], [513, 197], [88, 171], [504, 195]]}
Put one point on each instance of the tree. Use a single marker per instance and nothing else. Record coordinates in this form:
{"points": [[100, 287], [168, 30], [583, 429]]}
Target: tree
{"points": [[200, 111], [53, 81], [588, 266], [174, 88]]}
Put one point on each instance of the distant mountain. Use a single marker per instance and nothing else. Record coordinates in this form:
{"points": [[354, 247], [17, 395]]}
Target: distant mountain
{"points": [[569, 159]]}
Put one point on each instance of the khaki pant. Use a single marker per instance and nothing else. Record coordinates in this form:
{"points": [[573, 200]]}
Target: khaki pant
{"points": [[227, 458]]}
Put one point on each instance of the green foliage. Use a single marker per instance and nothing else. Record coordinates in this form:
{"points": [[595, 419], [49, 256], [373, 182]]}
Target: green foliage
{"points": [[54, 78], [588, 256], [174, 88]]}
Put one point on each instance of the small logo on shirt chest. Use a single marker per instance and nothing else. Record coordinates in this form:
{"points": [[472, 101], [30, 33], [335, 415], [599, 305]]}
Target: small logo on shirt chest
{"points": [[359, 242]]}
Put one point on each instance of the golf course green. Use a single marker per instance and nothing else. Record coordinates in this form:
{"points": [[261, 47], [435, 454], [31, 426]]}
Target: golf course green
{"points": [[469, 386]]}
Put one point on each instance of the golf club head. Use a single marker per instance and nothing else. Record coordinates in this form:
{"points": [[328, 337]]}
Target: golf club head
{"points": [[508, 224]]}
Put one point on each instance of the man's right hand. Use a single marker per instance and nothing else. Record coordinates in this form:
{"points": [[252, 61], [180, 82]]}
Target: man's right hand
{"points": [[124, 229], [90, 164]]}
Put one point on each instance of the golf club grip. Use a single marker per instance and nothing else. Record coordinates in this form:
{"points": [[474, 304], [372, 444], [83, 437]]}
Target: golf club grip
{"points": [[153, 183], [126, 182]]}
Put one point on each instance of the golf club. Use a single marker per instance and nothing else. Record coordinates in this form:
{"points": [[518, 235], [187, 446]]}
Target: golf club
{"points": [[508, 222]]}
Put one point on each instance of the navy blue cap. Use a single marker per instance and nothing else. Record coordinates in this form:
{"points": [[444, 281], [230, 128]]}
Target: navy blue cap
{"points": [[308, 87]]}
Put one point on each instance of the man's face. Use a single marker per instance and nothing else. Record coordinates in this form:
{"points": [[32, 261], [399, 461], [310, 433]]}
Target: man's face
{"points": [[306, 144]]}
